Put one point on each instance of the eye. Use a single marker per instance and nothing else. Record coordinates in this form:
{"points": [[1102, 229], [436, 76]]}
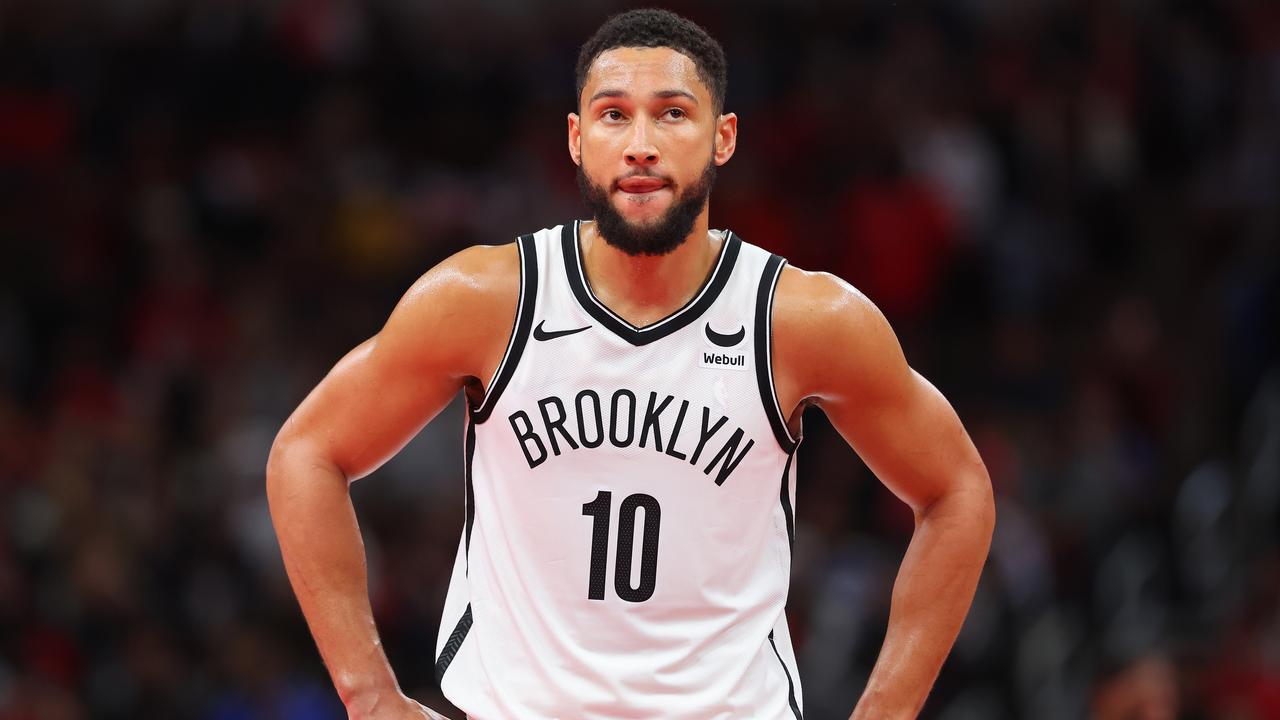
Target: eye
{"points": [[676, 113], [613, 115]]}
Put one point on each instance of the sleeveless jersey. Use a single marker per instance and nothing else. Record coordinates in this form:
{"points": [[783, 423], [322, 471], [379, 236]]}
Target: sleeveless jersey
{"points": [[626, 551]]}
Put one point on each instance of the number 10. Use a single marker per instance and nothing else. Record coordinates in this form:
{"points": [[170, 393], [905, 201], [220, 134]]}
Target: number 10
{"points": [[599, 509]]}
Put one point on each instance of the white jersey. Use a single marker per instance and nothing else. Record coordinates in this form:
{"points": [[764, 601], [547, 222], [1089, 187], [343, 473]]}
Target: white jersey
{"points": [[629, 507]]}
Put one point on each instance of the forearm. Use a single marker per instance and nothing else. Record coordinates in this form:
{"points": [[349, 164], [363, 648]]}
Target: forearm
{"points": [[324, 557], [931, 597]]}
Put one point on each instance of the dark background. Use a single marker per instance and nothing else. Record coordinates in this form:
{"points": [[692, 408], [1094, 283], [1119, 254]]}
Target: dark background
{"points": [[1069, 210]]}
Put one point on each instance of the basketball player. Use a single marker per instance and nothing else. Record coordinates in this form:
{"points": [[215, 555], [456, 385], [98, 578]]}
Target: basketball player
{"points": [[634, 385]]}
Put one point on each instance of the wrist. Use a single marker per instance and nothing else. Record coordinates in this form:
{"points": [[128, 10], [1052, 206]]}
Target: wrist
{"points": [[362, 697], [875, 705]]}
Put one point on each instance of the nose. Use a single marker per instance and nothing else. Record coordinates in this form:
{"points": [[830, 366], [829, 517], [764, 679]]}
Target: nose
{"points": [[640, 150]]}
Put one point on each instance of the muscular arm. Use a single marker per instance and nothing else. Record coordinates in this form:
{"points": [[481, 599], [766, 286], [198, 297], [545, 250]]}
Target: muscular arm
{"points": [[451, 326], [834, 349]]}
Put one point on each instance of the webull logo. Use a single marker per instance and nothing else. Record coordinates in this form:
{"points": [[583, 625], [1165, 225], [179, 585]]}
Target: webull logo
{"points": [[723, 361]]}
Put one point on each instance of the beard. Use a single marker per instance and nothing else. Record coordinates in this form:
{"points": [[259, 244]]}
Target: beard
{"points": [[658, 237]]}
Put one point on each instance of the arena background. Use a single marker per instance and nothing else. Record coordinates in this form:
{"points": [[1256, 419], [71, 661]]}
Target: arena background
{"points": [[1069, 210]]}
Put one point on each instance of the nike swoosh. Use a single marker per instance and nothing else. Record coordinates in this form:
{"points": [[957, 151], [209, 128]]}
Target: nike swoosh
{"points": [[540, 334], [726, 340]]}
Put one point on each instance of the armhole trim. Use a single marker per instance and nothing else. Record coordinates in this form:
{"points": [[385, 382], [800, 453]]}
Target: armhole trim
{"points": [[764, 353], [791, 686], [519, 331], [454, 644]]}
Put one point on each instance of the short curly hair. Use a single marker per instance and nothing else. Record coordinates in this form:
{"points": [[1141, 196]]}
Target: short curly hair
{"points": [[653, 27]]}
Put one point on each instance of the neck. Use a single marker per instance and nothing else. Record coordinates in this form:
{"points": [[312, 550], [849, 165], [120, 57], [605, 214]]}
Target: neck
{"points": [[646, 288]]}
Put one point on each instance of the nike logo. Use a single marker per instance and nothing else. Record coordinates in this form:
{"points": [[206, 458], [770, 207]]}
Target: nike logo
{"points": [[726, 340], [540, 334]]}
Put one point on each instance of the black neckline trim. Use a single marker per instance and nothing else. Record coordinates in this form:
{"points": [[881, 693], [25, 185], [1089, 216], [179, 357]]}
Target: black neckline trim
{"points": [[689, 312]]}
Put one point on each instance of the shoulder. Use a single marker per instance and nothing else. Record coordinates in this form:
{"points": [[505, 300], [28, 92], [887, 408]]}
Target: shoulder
{"points": [[456, 313], [809, 305], [473, 283], [829, 337], [474, 279]]}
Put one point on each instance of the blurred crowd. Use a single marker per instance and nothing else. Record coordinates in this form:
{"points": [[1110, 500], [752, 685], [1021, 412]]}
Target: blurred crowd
{"points": [[1069, 210]]}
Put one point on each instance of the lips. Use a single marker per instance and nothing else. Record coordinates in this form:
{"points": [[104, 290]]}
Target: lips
{"points": [[641, 184]]}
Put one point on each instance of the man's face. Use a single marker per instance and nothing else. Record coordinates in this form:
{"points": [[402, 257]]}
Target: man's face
{"points": [[647, 145]]}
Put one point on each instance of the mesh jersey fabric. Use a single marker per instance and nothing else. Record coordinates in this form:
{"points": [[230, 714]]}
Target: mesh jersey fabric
{"points": [[629, 515]]}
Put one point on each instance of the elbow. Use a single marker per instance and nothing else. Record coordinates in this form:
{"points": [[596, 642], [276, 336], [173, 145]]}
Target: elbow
{"points": [[968, 502], [275, 461], [983, 500], [292, 459], [297, 461], [277, 467], [990, 511], [282, 447]]}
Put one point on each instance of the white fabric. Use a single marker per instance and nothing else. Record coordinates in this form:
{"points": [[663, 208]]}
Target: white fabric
{"points": [[699, 646]]}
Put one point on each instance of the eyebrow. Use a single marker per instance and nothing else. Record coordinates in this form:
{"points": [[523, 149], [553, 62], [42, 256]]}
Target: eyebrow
{"points": [[663, 94]]}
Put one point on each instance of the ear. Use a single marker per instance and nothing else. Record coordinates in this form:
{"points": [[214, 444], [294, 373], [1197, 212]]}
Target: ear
{"points": [[575, 139], [726, 140]]}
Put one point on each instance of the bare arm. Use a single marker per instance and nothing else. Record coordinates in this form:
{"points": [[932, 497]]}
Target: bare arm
{"points": [[836, 350], [449, 327]]}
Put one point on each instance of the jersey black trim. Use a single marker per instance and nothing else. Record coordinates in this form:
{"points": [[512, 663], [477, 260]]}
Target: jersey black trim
{"points": [[784, 496], [690, 311], [453, 644], [764, 355], [519, 330], [791, 687], [470, 494]]}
